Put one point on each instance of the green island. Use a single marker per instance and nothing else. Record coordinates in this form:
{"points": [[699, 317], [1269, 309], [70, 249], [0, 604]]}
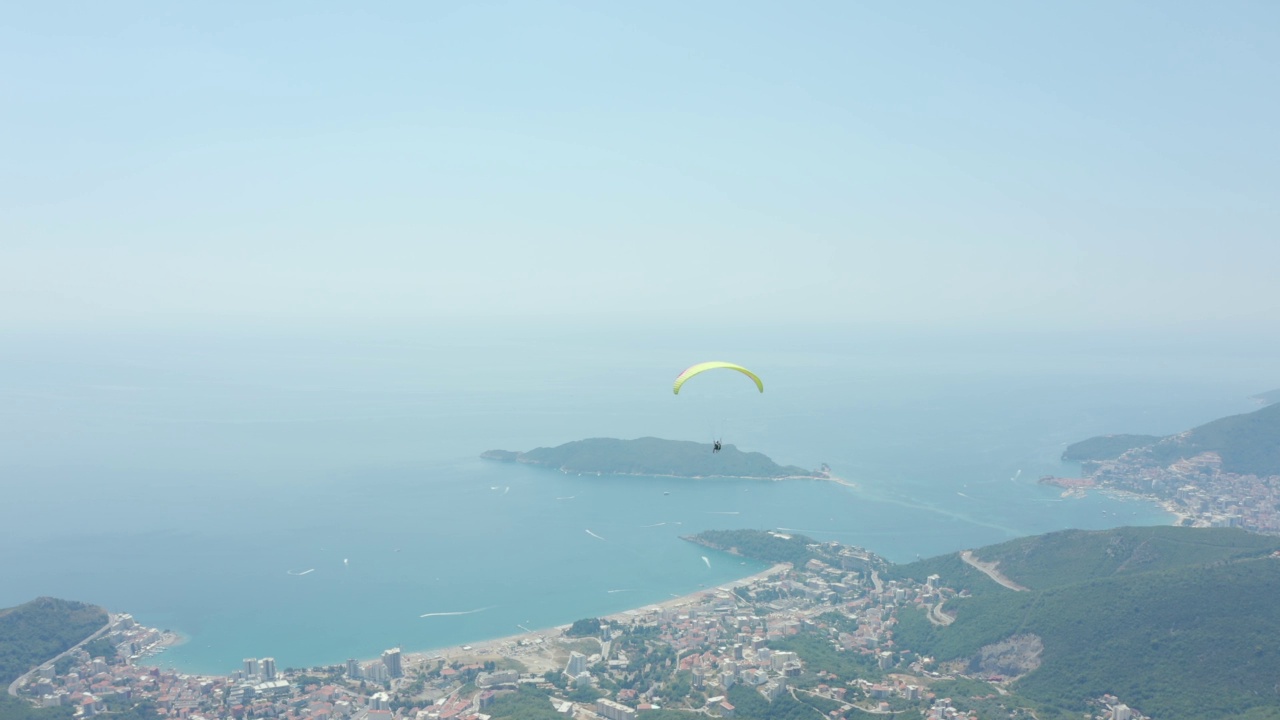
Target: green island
{"points": [[656, 457]]}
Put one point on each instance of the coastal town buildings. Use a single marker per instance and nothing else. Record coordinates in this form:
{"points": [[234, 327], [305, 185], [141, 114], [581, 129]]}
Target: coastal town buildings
{"points": [[698, 655], [1195, 489]]}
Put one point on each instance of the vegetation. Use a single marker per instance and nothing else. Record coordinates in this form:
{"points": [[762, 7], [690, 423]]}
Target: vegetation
{"points": [[652, 456], [12, 708], [1172, 620], [1106, 447], [1249, 444], [819, 653], [527, 703], [35, 632], [101, 647], [749, 704], [1071, 556], [586, 627], [1271, 396], [759, 545], [954, 572], [839, 621]]}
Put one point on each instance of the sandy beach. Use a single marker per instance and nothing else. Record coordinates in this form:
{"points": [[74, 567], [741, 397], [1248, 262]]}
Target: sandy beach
{"points": [[540, 650]]}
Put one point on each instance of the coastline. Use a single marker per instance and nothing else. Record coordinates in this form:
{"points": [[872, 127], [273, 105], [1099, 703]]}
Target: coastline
{"points": [[534, 648], [534, 645], [824, 476]]}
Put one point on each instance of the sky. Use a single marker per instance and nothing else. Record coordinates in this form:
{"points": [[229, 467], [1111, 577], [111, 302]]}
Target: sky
{"points": [[1074, 166]]}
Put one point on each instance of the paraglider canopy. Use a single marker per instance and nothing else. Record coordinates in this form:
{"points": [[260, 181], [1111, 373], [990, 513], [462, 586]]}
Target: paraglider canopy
{"points": [[703, 367]]}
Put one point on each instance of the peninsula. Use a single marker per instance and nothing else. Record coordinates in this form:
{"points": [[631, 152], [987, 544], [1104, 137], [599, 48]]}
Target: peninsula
{"points": [[1222, 473], [657, 457]]}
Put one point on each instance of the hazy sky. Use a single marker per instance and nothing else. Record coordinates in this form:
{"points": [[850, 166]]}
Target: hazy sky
{"points": [[926, 164]]}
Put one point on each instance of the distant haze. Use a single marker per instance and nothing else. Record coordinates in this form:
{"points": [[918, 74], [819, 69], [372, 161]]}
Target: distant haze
{"points": [[1073, 166]]}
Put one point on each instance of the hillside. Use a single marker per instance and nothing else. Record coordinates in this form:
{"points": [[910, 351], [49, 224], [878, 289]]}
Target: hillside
{"points": [[1249, 444], [1057, 559], [37, 631], [653, 456], [758, 545], [1173, 620], [1106, 447], [1271, 396]]}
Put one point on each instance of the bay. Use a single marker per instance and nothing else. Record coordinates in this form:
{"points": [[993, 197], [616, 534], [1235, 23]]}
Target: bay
{"points": [[313, 498]]}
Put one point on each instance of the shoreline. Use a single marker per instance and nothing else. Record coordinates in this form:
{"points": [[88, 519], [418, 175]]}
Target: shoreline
{"points": [[536, 640], [823, 477], [493, 649]]}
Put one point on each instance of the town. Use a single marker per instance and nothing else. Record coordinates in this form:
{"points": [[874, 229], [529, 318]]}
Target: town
{"points": [[820, 635], [1196, 489]]}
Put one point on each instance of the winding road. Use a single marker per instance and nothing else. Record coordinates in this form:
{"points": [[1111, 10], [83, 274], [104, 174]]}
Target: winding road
{"points": [[22, 679], [989, 569]]}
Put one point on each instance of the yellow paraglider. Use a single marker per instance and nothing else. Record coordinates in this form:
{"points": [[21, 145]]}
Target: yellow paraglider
{"points": [[703, 367]]}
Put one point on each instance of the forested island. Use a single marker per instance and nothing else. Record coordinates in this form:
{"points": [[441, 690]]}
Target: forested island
{"points": [[656, 457]]}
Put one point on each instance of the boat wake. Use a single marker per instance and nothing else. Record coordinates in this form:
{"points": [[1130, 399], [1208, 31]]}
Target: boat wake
{"points": [[295, 573], [705, 560], [618, 591], [594, 535], [459, 612]]}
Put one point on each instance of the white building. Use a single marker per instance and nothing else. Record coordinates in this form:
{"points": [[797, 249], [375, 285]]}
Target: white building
{"points": [[778, 660], [251, 667], [273, 689], [577, 664], [611, 710], [391, 658], [375, 671], [268, 668]]}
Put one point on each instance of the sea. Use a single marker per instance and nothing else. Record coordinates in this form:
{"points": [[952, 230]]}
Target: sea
{"points": [[316, 495]]}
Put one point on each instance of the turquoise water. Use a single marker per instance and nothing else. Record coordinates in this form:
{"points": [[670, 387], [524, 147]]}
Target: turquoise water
{"points": [[190, 480]]}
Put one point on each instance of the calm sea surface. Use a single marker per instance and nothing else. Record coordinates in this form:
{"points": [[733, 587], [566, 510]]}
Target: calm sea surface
{"points": [[312, 499]]}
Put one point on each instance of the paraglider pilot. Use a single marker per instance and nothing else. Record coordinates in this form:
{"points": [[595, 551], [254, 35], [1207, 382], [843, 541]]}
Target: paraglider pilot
{"points": [[715, 448]]}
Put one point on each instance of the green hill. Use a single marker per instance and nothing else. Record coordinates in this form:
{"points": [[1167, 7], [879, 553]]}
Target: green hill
{"points": [[1271, 396], [759, 545], [1106, 447], [37, 631], [1249, 444], [1071, 556], [653, 456], [1174, 621]]}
